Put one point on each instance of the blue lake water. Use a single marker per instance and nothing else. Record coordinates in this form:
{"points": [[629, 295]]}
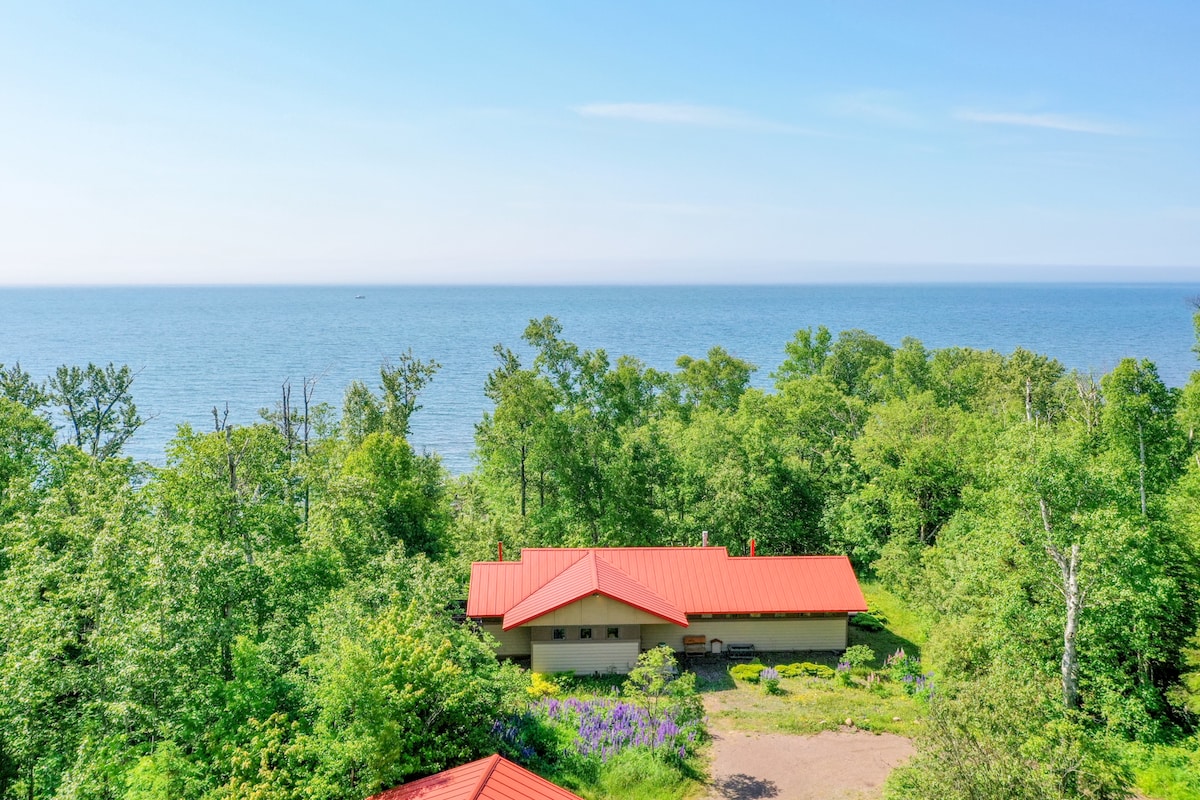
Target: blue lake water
{"points": [[200, 347]]}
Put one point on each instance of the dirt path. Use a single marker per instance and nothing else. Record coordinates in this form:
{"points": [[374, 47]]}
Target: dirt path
{"points": [[833, 765]]}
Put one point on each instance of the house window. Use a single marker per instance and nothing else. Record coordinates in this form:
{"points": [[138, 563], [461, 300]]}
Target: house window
{"points": [[585, 633], [559, 633], [612, 633]]}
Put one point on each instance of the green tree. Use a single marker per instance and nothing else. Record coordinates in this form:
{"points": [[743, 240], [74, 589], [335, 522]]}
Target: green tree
{"points": [[1139, 419], [716, 382], [856, 363], [400, 386], [385, 494], [405, 694], [18, 386], [98, 406], [806, 355]]}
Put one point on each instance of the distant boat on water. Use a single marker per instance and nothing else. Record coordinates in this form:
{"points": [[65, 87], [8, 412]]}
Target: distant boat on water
{"points": [[360, 297]]}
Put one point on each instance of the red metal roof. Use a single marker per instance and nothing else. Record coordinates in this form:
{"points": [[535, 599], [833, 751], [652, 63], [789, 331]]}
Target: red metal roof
{"points": [[691, 580], [491, 778], [587, 576]]}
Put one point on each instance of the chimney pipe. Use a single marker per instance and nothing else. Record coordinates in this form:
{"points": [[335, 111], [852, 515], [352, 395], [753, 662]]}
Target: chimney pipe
{"points": [[751, 547], [704, 538], [500, 550]]}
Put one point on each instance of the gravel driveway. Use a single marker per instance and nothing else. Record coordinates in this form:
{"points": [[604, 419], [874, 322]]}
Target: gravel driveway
{"points": [[832, 765]]}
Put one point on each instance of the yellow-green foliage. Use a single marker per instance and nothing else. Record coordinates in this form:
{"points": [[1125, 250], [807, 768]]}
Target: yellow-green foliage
{"points": [[805, 669], [540, 686], [746, 672], [1168, 772]]}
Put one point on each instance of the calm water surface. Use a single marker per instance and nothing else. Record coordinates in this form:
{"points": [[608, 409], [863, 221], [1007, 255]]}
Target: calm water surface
{"points": [[200, 347]]}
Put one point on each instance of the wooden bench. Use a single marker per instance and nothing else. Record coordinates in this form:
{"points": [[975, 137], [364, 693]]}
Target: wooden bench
{"points": [[740, 652], [695, 645]]}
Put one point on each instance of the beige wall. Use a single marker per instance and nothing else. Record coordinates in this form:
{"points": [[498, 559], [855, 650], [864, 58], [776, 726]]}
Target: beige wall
{"points": [[512, 643], [584, 658], [545, 633], [767, 633], [597, 610]]}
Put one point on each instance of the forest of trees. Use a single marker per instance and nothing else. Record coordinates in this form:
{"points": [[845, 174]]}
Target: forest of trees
{"points": [[272, 613]]}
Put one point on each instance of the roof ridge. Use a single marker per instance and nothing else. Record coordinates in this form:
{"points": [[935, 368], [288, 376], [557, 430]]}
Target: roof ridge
{"points": [[686, 548], [595, 574], [477, 792]]}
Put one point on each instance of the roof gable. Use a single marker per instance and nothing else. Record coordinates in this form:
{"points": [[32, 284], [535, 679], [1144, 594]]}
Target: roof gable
{"points": [[587, 576], [686, 580], [491, 778]]}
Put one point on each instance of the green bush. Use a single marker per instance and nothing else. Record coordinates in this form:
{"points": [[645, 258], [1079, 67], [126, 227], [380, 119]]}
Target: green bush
{"points": [[867, 622], [746, 672], [859, 655], [805, 669]]}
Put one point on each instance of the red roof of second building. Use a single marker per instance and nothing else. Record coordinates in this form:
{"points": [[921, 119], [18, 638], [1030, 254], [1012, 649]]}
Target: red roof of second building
{"points": [[692, 580], [491, 778]]}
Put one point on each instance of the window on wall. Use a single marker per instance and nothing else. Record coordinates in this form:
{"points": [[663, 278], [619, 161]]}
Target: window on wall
{"points": [[612, 633], [558, 633], [585, 633]]}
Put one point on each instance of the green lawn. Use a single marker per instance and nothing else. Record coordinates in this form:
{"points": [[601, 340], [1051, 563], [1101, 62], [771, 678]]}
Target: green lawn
{"points": [[811, 705], [805, 705], [904, 627]]}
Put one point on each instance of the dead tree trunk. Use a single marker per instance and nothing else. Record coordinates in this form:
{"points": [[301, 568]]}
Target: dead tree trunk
{"points": [[1068, 566], [310, 386]]}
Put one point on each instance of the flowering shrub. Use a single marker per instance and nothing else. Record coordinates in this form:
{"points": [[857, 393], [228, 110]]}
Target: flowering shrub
{"points": [[540, 686], [605, 727], [906, 671], [769, 678], [657, 712]]}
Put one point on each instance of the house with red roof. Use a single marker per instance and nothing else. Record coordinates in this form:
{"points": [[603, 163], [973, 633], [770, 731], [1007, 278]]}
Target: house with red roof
{"points": [[491, 778], [592, 610]]}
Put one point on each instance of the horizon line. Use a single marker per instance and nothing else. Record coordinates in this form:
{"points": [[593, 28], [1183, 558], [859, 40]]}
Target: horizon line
{"points": [[939, 282]]}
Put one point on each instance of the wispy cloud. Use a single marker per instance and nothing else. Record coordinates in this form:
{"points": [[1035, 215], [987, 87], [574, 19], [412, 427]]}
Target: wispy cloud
{"points": [[879, 107], [1057, 122], [688, 114]]}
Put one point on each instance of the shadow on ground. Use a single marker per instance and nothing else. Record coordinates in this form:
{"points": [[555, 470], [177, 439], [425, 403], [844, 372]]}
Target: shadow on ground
{"points": [[745, 787]]}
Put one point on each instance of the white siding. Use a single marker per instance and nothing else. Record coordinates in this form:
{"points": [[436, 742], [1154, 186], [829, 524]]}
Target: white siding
{"points": [[819, 633], [584, 658], [512, 643]]}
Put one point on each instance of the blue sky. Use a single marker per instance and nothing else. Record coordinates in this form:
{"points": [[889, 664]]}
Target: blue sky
{"points": [[598, 142]]}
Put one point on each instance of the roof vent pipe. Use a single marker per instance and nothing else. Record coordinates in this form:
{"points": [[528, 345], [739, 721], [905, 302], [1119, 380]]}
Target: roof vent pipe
{"points": [[704, 538], [751, 548], [500, 550]]}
